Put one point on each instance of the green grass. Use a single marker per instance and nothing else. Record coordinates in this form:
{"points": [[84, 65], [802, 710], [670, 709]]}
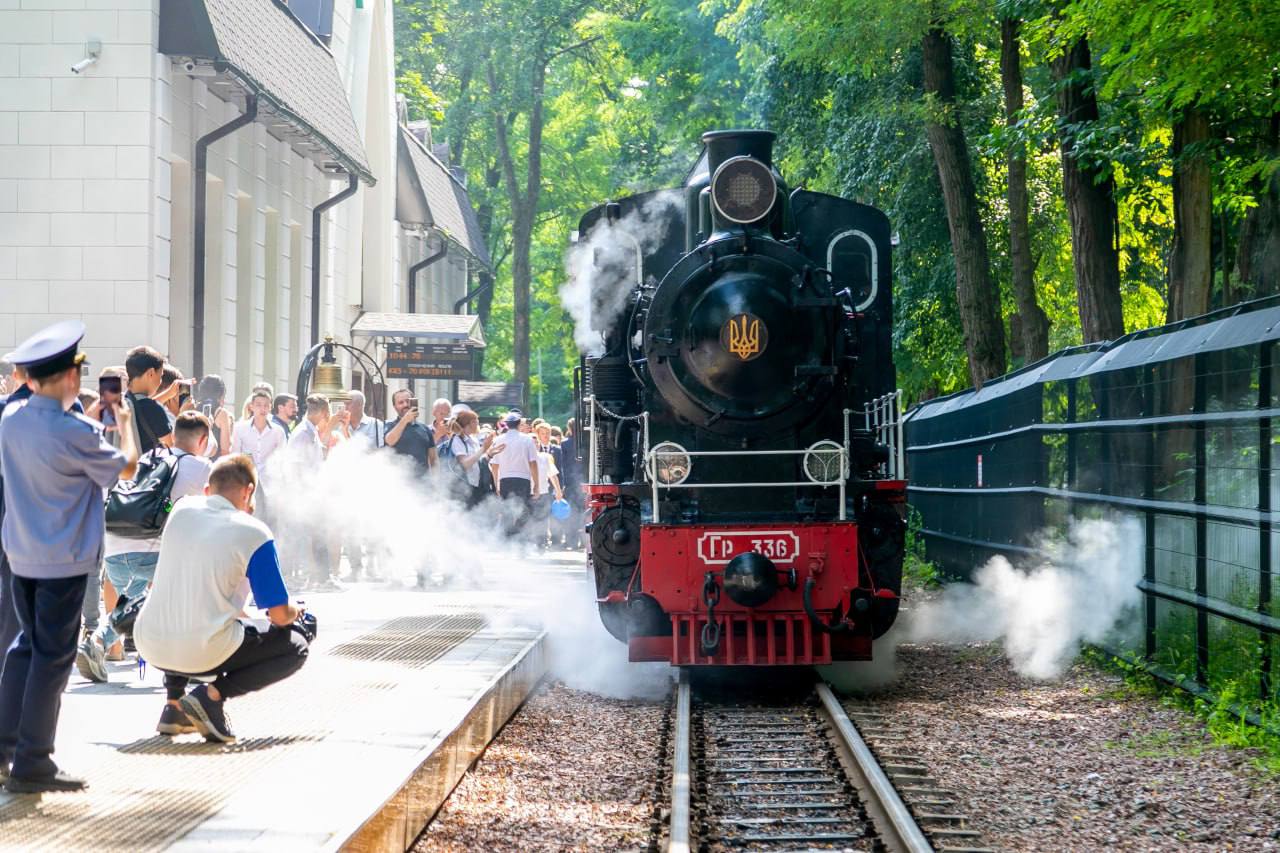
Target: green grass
{"points": [[1220, 716], [917, 570]]}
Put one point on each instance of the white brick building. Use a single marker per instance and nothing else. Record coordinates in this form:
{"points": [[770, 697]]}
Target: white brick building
{"points": [[97, 180]]}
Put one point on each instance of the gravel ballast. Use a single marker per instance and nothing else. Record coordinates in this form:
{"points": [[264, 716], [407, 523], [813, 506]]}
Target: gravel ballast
{"points": [[571, 771], [1082, 763], [1078, 764]]}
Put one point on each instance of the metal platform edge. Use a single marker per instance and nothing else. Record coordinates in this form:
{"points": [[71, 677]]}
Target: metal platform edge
{"points": [[405, 813]]}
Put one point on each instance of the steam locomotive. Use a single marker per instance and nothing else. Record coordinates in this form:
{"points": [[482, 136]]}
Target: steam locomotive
{"points": [[745, 490]]}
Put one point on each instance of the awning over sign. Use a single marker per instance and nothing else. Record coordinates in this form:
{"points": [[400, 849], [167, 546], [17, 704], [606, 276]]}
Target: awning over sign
{"points": [[441, 328], [481, 394]]}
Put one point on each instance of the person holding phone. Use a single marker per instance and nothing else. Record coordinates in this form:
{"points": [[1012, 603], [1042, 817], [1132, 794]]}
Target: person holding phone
{"points": [[408, 437], [211, 397], [145, 369], [110, 396]]}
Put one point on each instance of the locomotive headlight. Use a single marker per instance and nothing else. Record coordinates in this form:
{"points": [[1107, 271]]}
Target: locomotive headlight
{"points": [[671, 463], [824, 463], [743, 190]]}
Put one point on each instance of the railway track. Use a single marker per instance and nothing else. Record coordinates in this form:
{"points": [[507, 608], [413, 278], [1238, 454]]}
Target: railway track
{"points": [[799, 776]]}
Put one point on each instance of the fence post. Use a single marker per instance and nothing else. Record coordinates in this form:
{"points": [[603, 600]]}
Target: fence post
{"points": [[1264, 515], [1202, 525], [1149, 492], [1071, 448]]}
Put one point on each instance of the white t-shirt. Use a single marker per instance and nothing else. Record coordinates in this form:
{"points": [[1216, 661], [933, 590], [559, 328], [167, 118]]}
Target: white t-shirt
{"points": [[189, 478], [211, 555], [546, 469], [466, 445], [245, 438], [305, 446], [515, 451]]}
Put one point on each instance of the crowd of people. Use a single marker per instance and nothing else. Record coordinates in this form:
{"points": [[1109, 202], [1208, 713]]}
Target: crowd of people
{"points": [[82, 580]]}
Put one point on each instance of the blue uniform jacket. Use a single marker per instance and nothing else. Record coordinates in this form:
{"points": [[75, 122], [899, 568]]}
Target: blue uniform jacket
{"points": [[55, 465]]}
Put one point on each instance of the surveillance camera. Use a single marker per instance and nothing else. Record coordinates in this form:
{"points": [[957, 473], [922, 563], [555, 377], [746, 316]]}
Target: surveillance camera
{"points": [[92, 50], [189, 67]]}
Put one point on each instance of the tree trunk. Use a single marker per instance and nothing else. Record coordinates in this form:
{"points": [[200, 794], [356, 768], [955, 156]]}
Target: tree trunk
{"points": [[524, 209], [1258, 255], [1258, 251], [1191, 261], [1033, 322], [1091, 204], [976, 293]]}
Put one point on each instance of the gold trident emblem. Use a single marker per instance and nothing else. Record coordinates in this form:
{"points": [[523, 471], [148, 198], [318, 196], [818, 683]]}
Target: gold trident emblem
{"points": [[743, 336]]}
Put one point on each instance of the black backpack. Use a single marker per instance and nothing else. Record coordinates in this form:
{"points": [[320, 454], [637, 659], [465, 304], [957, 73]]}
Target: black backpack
{"points": [[139, 508]]}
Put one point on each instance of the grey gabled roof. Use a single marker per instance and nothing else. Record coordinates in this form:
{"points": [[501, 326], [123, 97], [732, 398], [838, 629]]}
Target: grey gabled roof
{"points": [[258, 47], [429, 196], [491, 393]]}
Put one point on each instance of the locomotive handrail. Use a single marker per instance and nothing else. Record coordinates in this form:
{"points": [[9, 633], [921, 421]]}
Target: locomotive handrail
{"points": [[883, 418], [652, 456], [593, 462]]}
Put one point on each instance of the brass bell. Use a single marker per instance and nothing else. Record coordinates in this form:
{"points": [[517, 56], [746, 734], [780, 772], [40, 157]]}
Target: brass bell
{"points": [[327, 379]]}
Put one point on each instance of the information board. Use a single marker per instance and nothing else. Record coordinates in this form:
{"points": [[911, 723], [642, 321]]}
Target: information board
{"points": [[429, 361]]}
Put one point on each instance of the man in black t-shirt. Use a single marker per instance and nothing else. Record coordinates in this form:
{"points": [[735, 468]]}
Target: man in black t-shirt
{"points": [[145, 369], [405, 435]]}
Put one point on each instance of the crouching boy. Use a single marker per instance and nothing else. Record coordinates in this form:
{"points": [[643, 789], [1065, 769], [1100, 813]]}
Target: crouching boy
{"points": [[212, 553]]}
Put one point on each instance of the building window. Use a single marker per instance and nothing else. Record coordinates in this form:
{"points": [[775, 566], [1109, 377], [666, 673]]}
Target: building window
{"points": [[296, 286], [271, 314], [243, 340]]}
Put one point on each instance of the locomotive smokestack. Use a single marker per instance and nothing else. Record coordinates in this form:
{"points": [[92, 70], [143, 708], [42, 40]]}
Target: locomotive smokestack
{"points": [[723, 144]]}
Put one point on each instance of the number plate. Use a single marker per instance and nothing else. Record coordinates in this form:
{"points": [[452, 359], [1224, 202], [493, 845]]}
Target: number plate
{"points": [[719, 547]]}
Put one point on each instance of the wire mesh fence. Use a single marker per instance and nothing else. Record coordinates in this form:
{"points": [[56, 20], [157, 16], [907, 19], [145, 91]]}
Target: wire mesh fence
{"points": [[1173, 426]]}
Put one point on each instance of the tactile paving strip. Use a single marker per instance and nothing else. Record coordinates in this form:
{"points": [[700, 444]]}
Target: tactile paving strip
{"points": [[147, 793], [414, 641]]}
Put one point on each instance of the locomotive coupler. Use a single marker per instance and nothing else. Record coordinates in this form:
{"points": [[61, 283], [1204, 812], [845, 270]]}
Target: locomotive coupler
{"points": [[711, 630]]}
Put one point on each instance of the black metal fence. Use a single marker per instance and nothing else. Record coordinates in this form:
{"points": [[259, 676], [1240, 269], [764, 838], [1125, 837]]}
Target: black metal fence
{"points": [[1170, 425]]}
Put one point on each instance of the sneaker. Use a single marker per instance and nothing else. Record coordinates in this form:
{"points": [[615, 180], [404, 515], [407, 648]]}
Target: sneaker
{"points": [[207, 716], [91, 660], [60, 781], [174, 722]]}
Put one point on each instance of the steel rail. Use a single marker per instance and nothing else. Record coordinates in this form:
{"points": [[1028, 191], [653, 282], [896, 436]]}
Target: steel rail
{"points": [[678, 835], [885, 807]]}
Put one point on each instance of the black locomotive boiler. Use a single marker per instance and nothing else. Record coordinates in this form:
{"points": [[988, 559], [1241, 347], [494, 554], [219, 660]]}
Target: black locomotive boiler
{"points": [[745, 484]]}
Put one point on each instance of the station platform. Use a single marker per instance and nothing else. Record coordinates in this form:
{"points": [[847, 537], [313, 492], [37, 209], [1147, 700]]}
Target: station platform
{"points": [[403, 689]]}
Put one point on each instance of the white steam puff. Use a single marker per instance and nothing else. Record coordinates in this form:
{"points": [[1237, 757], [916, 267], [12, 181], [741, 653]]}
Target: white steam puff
{"points": [[1085, 586], [376, 498], [602, 266]]}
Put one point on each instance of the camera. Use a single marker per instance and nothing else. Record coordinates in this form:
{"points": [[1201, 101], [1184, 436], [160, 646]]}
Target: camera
{"points": [[307, 625]]}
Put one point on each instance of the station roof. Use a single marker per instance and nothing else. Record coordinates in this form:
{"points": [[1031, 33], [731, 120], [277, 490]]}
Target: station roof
{"points": [[429, 195], [259, 47], [441, 328]]}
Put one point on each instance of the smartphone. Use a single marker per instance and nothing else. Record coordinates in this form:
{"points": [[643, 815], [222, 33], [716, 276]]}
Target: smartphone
{"points": [[413, 402], [109, 385]]}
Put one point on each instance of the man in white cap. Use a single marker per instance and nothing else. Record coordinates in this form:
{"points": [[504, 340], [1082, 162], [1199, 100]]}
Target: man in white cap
{"points": [[55, 465]]}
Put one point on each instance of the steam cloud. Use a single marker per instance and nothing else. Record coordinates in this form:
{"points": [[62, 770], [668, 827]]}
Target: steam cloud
{"points": [[376, 498], [1084, 587], [602, 266]]}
